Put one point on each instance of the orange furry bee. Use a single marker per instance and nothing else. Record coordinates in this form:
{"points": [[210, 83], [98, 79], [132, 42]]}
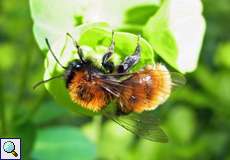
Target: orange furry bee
{"points": [[94, 88]]}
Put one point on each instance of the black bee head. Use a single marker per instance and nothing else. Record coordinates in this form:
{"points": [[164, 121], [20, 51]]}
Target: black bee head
{"points": [[72, 67]]}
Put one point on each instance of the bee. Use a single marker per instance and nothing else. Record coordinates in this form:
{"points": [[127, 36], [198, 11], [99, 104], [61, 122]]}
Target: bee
{"points": [[133, 93]]}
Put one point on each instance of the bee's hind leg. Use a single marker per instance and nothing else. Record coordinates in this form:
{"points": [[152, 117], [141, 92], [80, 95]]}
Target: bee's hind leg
{"points": [[106, 63], [130, 60]]}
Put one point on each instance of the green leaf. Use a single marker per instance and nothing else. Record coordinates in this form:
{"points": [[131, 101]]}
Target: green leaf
{"points": [[94, 42], [53, 22], [63, 143], [125, 44], [137, 16], [131, 28], [140, 14], [176, 32]]}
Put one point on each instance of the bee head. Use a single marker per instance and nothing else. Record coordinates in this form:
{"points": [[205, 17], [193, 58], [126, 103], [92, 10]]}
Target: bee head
{"points": [[73, 66]]}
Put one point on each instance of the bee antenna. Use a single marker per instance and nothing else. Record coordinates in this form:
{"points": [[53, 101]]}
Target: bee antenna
{"points": [[44, 81], [49, 47], [80, 52]]}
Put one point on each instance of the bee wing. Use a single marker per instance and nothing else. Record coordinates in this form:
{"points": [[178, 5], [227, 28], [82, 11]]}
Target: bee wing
{"points": [[144, 125], [123, 90], [177, 79]]}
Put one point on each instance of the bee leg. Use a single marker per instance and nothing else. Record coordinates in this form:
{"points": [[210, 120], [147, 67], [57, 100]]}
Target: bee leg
{"points": [[108, 65], [122, 110], [79, 50], [130, 60], [119, 112]]}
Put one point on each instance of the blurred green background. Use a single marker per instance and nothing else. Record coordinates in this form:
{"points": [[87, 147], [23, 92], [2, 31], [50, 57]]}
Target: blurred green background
{"points": [[196, 118]]}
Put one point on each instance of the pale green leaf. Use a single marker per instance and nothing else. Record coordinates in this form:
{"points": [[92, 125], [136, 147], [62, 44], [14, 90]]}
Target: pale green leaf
{"points": [[176, 32], [54, 18]]}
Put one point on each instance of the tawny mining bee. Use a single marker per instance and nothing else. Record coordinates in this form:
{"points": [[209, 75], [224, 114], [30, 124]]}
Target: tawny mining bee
{"points": [[94, 88]]}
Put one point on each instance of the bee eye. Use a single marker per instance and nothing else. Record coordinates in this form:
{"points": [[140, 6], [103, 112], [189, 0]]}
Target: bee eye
{"points": [[76, 65]]}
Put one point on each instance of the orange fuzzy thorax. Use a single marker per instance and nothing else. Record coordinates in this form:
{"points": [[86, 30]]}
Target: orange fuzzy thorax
{"points": [[88, 94]]}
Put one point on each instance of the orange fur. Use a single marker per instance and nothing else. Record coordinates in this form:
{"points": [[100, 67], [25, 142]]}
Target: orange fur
{"points": [[146, 90], [88, 93]]}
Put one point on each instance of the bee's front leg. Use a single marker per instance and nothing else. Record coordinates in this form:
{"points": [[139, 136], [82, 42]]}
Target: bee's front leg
{"points": [[106, 63], [130, 60]]}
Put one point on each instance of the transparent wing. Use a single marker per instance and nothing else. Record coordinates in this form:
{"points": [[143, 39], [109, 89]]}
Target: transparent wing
{"points": [[144, 125], [177, 79], [115, 86]]}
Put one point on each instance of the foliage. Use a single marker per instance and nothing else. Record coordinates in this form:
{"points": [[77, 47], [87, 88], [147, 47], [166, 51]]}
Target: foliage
{"points": [[176, 33], [68, 139], [196, 118]]}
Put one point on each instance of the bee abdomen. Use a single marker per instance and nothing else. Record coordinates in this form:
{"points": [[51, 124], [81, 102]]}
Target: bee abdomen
{"points": [[146, 90], [161, 87]]}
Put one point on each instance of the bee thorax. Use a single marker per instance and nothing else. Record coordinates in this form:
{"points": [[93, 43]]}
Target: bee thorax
{"points": [[85, 90]]}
